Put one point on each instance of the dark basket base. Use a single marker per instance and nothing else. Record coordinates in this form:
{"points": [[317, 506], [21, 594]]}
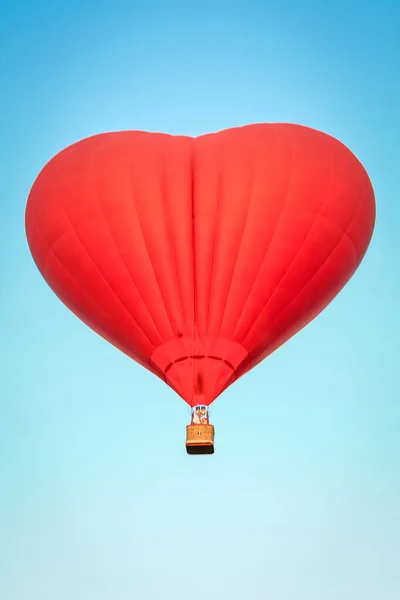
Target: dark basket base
{"points": [[199, 449]]}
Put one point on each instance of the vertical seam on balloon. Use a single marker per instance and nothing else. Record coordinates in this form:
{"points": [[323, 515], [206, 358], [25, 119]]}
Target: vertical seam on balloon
{"points": [[105, 280], [215, 238], [164, 197], [131, 279], [139, 326], [192, 193], [76, 280], [126, 267], [278, 220], [60, 262], [246, 220], [275, 291], [195, 300], [150, 259], [342, 237]]}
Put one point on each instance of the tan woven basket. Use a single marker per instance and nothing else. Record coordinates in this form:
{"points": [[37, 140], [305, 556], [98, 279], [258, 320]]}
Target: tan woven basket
{"points": [[200, 435]]}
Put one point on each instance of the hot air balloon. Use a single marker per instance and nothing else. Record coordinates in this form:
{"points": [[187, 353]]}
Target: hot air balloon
{"points": [[198, 257]]}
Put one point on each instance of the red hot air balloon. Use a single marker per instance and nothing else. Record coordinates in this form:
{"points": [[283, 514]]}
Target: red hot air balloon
{"points": [[198, 257]]}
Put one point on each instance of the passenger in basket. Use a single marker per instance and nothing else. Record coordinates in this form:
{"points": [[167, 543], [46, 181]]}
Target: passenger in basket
{"points": [[197, 416], [204, 415]]}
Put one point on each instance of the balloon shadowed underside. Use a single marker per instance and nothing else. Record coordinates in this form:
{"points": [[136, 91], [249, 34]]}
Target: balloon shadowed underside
{"points": [[198, 257]]}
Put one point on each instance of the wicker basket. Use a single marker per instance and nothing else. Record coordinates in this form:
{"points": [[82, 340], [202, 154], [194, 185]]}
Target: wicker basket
{"points": [[200, 439]]}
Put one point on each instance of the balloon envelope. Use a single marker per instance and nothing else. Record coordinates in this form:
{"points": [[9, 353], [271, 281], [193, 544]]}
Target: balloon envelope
{"points": [[198, 257]]}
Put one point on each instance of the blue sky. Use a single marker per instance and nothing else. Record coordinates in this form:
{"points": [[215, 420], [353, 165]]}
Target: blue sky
{"points": [[98, 499]]}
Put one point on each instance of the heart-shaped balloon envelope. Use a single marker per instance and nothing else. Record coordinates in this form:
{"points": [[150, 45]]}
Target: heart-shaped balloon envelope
{"points": [[198, 257]]}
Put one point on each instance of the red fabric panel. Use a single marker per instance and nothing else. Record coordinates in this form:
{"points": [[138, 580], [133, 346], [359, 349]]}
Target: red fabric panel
{"points": [[198, 257]]}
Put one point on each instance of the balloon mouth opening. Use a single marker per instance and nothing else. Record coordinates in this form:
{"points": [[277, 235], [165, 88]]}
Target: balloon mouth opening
{"points": [[197, 357], [199, 368]]}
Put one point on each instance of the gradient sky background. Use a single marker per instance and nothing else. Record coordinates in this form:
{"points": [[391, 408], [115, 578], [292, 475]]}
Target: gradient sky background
{"points": [[98, 499]]}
